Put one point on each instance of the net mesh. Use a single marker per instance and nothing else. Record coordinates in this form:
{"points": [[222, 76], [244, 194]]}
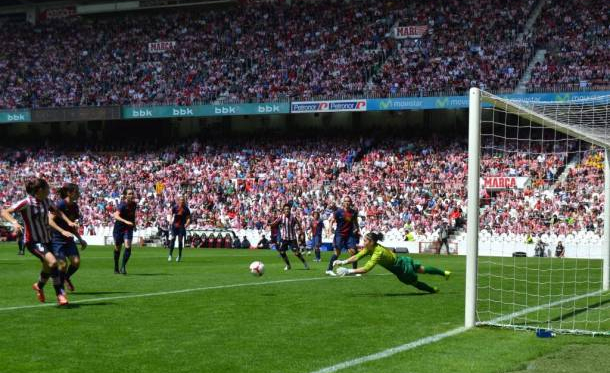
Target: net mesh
{"points": [[541, 217]]}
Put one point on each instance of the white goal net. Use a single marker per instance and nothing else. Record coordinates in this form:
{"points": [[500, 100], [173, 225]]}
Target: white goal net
{"points": [[539, 251]]}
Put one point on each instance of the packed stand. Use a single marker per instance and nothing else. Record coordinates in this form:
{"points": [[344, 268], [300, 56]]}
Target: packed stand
{"points": [[576, 35], [559, 199], [262, 51], [464, 46], [407, 185], [242, 186], [256, 52]]}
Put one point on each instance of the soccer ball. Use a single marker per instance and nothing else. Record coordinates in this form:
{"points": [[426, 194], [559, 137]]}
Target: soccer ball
{"points": [[257, 268]]}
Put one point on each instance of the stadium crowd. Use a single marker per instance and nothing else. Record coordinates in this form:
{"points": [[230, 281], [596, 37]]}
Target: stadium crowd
{"points": [[278, 51], [461, 49], [576, 36], [409, 185]]}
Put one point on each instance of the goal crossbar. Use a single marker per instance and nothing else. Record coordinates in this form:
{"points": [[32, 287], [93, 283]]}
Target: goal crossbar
{"points": [[519, 108]]}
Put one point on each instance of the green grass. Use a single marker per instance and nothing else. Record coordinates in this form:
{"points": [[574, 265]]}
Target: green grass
{"points": [[509, 285], [226, 320]]}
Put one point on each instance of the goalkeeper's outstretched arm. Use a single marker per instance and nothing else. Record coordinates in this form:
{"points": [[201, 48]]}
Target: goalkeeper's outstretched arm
{"points": [[354, 258]]}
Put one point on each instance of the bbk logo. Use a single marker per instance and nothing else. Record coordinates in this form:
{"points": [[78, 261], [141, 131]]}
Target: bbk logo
{"points": [[142, 113], [266, 109], [225, 110], [16, 117], [182, 112]]}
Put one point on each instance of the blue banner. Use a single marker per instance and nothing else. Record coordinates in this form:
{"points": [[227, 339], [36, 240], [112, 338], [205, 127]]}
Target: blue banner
{"points": [[139, 112], [15, 116], [461, 102]]}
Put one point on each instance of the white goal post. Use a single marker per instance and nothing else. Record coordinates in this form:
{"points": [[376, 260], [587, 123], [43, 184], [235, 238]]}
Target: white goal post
{"points": [[531, 293]]}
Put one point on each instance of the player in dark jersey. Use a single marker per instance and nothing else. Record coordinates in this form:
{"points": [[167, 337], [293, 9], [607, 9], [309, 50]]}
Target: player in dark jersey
{"points": [[124, 225], [65, 247], [181, 218], [38, 215], [346, 232], [288, 226], [315, 230], [274, 238]]}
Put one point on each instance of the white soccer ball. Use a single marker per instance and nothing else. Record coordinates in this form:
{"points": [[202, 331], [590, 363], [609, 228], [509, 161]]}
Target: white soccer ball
{"points": [[257, 268]]}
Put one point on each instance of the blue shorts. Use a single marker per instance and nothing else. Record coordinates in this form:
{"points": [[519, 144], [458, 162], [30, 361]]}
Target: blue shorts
{"points": [[122, 236], [316, 242], [64, 249], [345, 243], [178, 232]]}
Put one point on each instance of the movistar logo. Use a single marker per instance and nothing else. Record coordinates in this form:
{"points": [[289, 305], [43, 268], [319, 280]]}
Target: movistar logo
{"points": [[385, 104], [563, 98], [442, 102]]}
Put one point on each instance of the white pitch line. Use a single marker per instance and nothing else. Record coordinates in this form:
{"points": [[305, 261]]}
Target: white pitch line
{"points": [[392, 351], [146, 295], [437, 337], [162, 258]]}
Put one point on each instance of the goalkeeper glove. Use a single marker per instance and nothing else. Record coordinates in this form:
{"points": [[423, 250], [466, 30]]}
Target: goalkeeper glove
{"points": [[338, 263], [341, 271]]}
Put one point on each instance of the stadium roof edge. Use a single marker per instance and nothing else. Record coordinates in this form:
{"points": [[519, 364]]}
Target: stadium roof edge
{"points": [[23, 6]]}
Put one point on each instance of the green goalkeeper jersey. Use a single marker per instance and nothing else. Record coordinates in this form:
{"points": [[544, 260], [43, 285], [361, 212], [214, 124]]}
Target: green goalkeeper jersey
{"points": [[379, 255]]}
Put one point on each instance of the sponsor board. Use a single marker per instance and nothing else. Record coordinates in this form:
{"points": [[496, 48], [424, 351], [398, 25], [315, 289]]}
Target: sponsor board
{"points": [[15, 116], [328, 106], [461, 102], [133, 112]]}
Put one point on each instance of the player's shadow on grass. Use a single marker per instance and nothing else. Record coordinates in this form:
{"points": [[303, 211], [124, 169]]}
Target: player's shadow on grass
{"points": [[573, 313], [88, 304], [101, 292], [379, 295], [580, 310]]}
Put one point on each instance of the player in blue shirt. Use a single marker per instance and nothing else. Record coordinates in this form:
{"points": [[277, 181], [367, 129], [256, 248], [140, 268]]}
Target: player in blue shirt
{"points": [[346, 232], [62, 246], [181, 218], [124, 225]]}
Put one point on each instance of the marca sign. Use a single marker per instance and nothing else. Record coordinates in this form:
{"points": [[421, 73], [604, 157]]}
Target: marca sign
{"points": [[58, 13], [409, 32], [503, 182], [161, 46], [327, 106]]}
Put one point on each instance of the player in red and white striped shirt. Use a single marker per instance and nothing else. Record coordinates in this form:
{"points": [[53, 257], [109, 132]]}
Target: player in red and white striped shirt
{"points": [[288, 226], [38, 213]]}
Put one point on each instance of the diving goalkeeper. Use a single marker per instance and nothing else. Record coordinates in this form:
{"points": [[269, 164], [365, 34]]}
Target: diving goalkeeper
{"points": [[404, 267]]}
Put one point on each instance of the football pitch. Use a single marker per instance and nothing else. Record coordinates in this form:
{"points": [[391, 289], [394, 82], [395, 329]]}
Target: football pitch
{"points": [[209, 314]]}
